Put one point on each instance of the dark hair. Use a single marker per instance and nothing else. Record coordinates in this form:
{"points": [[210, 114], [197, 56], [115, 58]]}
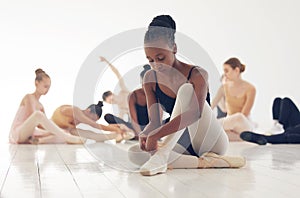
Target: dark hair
{"points": [[106, 94], [161, 27], [40, 74], [146, 68], [234, 63], [96, 109]]}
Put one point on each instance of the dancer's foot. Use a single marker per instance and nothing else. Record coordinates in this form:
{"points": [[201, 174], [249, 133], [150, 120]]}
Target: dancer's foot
{"points": [[253, 137], [105, 137], [233, 136], [128, 135], [213, 160], [156, 164], [72, 139], [33, 140]]}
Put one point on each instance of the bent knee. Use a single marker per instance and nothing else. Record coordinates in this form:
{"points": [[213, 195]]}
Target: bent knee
{"points": [[287, 100], [38, 115], [239, 117]]}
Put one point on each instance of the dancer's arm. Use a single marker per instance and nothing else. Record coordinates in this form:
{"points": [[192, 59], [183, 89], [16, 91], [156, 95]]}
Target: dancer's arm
{"points": [[250, 96], [152, 103], [30, 104], [133, 113], [199, 82], [80, 117], [218, 97], [116, 72], [153, 108]]}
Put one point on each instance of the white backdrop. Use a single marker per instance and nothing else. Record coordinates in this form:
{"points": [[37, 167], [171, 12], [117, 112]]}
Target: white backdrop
{"points": [[58, 35]]}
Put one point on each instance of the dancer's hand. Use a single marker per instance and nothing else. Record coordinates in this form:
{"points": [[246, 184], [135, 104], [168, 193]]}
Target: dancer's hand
{"points": [[151, 144], [142, 141]]}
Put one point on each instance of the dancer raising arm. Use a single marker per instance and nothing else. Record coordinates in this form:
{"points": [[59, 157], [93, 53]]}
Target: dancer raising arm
{"points": [[121, 98]]}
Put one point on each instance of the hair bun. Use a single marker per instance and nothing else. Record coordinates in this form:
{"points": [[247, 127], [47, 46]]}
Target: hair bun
{"points": [[100, 103], [163, 21], [39, 71], [242, 68]]}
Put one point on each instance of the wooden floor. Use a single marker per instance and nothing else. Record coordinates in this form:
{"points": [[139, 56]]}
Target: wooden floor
{"points": [[103, 170]]}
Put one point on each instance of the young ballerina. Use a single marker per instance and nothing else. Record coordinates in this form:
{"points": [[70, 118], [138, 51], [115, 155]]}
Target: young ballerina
{"points": [[182, 90], [137, 109], [121, 98], [239, 99], [286, 113], [31, 124], [68, 117]]}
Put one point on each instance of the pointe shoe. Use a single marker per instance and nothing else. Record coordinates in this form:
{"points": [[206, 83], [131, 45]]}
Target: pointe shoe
{"points": [[155, 165], [213, 160]]}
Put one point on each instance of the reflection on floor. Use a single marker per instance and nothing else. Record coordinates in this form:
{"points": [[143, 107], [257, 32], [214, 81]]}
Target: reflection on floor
{"points": [[103, 170]]}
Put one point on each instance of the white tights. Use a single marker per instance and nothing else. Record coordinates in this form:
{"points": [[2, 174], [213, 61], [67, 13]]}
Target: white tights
{"points": [[37, 118], [206, 135]]}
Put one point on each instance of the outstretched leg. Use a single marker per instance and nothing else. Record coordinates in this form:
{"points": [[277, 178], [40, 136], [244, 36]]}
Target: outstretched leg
{"points": [[98, 137], [39, 118], [178, 159], [111, 119], [290, 136]]}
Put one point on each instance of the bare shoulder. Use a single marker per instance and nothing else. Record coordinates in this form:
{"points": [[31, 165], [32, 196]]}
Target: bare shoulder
{"points": [[65, 107], [250, 87], [136, 93], [199, 74], [28, 98], [139, 91]]}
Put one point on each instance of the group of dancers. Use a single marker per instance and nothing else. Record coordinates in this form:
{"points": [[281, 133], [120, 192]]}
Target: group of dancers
{"points": [[192, 137]]}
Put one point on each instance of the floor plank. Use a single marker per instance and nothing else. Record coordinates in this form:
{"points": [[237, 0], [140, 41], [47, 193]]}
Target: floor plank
{"points": [[104, 170]]}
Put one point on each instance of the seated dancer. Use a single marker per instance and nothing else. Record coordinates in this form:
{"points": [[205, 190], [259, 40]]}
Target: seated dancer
{"points": [[137, 109], [182, 90], [31, 125], [68, 117]]}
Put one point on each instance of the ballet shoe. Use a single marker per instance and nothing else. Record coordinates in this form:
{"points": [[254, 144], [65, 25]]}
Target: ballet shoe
{"points": [[213, 160], [253, 137], [157, 164]]}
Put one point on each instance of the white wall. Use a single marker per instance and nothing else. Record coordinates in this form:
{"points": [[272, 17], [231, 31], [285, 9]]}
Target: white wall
{"points": [[58, 35]]}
